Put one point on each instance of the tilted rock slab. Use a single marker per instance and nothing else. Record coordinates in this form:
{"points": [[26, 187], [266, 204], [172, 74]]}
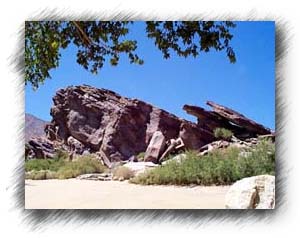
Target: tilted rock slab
{"points": [[224, 117], [256, 192], [155, 147], [120, 127]]}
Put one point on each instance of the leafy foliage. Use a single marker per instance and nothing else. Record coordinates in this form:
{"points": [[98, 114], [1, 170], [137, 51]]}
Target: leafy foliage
{"points": [[98, 41], [191, 37], [220, 167]]}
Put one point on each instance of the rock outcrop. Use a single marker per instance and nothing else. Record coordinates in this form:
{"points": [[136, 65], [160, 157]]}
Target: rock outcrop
{"points": [[224, 117], [40, 148], [256, 192], [119, 127], [90, 120]]}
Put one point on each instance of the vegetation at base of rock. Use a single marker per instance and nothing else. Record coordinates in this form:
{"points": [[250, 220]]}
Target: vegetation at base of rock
{"points": [[83, 165], [122, 172], [60, 168], [44, 164], [41, 175], [140, 156], [220, 167], [222, 133]]}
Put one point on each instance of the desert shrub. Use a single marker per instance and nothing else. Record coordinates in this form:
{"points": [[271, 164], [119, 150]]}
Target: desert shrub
{"points": [[41, 175], [261, 160], [54, 164], [83, 165], [140, 156], [220, 167], [61, 168], [61, 155], [122, 172], [43, 164], [222, 133], [37, 164]]}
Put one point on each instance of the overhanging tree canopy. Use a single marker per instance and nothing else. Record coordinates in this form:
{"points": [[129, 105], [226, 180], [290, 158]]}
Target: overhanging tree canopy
{"points": [[98, 41]]}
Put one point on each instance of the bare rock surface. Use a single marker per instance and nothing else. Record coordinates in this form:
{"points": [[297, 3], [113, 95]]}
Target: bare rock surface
{"points": [[177, 158], [256, 192], [96, 177], [140, 167], [155, 147], [40, 148]]}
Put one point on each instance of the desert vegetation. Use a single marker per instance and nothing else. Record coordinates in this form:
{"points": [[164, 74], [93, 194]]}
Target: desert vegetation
{"points": [[60, 168], [122, 173], [222, 133], [220, 167]]}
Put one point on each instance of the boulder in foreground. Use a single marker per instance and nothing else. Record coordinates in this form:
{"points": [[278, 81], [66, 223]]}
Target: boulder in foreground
{"points": [[256, 192]]}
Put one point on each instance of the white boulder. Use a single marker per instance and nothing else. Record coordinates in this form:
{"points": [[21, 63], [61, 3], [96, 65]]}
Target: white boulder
{"points": [[256, 192], [140, 167]]}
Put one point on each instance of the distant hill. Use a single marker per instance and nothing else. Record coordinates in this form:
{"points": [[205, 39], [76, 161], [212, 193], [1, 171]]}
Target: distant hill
{"points": [[33, 126]]}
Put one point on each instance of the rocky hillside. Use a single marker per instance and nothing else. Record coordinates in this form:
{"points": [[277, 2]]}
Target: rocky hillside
{"points": [[34, 127], [100, 121]]}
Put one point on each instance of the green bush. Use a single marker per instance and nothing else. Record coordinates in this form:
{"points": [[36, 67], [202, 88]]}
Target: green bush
{"points": [[62, 169], [44, 164], [140, 156], [222, 133], [54, 164], [83, 165], [221, 167], [61, 155], [40, 175], [122, 172]]}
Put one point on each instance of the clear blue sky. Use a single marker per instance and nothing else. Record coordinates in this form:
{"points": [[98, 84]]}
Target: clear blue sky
{"points": [[247, 86]]}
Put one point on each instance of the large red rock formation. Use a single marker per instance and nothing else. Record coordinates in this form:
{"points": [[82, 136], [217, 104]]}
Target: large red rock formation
{"points": [[118, 126]]}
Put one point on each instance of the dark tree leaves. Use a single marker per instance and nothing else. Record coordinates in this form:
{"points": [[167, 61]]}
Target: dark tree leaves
{"points": [[189, 38], [98, 41]]}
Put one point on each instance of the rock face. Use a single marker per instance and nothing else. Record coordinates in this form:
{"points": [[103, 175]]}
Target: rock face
{"points": [[155, 147], [40, 148], [255, 192], [119, 127]]}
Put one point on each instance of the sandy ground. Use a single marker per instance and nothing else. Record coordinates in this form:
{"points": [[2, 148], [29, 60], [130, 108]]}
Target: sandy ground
{"points": [[86, 194]]}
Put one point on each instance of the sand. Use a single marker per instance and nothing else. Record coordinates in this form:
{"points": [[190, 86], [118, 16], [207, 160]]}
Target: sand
{"points": [[86, 194]]}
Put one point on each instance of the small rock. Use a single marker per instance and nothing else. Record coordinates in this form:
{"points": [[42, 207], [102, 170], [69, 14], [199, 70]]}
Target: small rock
{"points": [[133, 158], [99, 177], [177, 158]]}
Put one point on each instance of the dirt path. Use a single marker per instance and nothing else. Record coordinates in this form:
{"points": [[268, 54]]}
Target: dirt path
{"points": [[84, 194]]}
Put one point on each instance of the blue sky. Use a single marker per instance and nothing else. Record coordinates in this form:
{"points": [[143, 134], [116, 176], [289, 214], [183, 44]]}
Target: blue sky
{"points": [[247, 86]]}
